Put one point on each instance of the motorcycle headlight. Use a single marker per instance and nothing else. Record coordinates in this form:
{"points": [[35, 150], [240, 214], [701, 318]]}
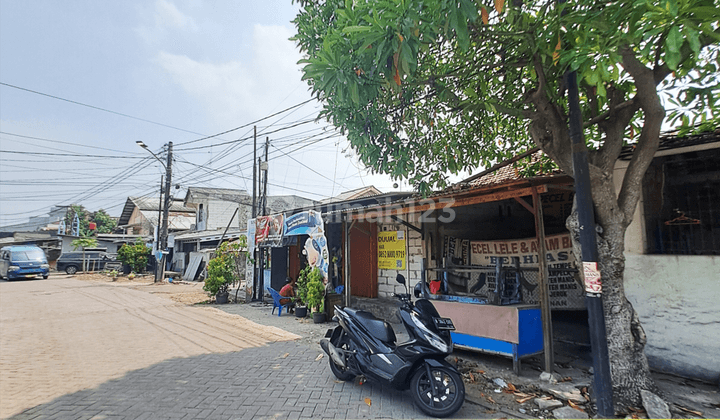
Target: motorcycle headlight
{"points": [[437, 342], [430, 336]]}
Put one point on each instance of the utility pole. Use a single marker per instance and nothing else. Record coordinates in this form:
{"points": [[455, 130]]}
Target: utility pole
{"points": [[166, 209], [158, 271], [254, 214], [602, 380], [265, 176]]}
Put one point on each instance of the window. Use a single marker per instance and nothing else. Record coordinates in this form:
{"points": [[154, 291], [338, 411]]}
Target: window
{"points": [[682, 204]]}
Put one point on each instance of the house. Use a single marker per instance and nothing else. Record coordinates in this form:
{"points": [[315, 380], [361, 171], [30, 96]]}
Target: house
{"points": [[140, 216], [471, 235], [110, 242], [351, 195], [220, 214], [672, 255], [43, 223]]}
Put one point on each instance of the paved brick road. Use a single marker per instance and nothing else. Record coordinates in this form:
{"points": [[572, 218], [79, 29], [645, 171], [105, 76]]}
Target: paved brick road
{"points": [[81, 350]]}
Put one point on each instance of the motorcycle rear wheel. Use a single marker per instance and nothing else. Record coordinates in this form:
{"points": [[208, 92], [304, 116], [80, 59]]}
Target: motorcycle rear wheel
{"points": [[450, 394], [340, 372]]}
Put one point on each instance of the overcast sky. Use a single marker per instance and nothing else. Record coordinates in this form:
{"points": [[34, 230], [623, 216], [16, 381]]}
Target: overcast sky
{"points": [[82, 81]]}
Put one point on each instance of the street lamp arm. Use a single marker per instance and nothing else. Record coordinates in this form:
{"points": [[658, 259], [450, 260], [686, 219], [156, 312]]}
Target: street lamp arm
{"points": [[144, 146]]}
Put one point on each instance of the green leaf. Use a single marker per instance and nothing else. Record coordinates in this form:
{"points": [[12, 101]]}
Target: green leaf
{"points": [[693, 39], [354, 95], [355, 29], [674, 40], [672, 59]]}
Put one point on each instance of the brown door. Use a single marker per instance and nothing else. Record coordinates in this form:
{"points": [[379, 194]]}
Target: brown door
{"points": [[363, 260]]}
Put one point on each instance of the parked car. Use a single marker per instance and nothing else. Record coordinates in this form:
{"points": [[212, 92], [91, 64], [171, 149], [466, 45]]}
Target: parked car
{"points": [[17, 261], [72, 262]]}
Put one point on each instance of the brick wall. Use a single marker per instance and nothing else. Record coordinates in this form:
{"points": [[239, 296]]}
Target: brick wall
{"points": [[386, 278]]}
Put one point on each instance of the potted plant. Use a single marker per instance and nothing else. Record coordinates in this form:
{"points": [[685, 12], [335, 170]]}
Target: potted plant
{"points": [[316, 295], [301, 296], [221, 275]]}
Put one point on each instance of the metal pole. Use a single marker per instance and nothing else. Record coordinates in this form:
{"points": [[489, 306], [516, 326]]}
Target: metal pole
{"points": [[166, 210], [265, 176], [593, 285], [545, 313], [346, 258], [254, 210]]}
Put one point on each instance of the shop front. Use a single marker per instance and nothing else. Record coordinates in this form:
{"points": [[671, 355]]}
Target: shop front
{"points": [[476, 252]]}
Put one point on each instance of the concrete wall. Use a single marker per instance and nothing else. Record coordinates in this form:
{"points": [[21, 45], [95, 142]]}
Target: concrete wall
{"points": [[219, 213], [386, 278], [676, 298]]}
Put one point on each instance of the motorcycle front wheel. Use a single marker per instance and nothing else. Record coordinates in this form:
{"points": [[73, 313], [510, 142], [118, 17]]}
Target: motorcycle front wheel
{"points": [[448, 395], [340, 372]]}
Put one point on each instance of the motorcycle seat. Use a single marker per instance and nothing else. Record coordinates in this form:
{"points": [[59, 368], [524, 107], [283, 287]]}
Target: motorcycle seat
{"points": [[377, 327]]}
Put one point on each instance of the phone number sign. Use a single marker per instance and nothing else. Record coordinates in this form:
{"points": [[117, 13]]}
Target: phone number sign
{"points": [[391, 250]]}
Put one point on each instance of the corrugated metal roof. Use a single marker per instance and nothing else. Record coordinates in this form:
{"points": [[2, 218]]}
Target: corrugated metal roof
{"points": [[209, 235], [671, 140], [150, 204]]}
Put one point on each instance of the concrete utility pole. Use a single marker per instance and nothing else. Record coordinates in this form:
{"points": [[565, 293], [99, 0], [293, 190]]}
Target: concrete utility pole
{"points": [[254, 208], [158, 271], [265, 176], [166, 209], [602, 380]]}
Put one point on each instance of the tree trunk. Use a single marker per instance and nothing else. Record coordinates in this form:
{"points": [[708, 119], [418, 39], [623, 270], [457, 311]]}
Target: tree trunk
{"points": [[625, 336]]}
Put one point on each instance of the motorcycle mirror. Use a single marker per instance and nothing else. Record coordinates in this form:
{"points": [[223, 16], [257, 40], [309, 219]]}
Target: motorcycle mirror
{"points": [[400, 279]]}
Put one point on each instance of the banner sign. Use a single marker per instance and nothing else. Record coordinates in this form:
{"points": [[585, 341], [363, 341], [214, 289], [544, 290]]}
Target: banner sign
{"points": [[565, 287], [270, 231], [391, 250]]}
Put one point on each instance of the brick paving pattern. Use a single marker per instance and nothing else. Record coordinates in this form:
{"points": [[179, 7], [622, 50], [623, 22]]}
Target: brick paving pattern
{"points": [[108, 352]]}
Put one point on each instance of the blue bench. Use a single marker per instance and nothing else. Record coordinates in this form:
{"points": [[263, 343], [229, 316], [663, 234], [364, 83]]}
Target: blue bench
{"points": [[276, 301]]}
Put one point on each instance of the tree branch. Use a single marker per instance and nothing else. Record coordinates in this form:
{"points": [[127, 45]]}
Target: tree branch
{"points": [[647, 145]]}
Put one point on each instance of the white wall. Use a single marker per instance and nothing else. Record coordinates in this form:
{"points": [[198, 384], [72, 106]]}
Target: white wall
{"points": [[219, 213], [677, 299], [386, 278]]}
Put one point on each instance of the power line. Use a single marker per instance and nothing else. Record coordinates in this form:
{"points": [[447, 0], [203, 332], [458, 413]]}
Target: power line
{"points": [[246, 125], [69, 154], [97, 108], [61, 142]]}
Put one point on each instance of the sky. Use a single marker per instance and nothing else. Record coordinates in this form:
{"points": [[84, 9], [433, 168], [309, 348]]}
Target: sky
{"points": [[82, 81]]}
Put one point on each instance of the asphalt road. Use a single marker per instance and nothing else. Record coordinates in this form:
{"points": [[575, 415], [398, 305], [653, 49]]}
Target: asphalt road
{"points": [[97, 350]]}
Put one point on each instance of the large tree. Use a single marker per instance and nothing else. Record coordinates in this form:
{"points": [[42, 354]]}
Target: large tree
{"points": [[423, 88]]}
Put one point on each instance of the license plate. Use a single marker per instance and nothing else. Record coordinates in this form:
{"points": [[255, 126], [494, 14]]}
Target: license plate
{"points": [[444, 323]]}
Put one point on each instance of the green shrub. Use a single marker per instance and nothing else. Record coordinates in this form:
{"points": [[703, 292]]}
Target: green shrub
{"points": [[136, 255], [221, 270], [316, 291]]}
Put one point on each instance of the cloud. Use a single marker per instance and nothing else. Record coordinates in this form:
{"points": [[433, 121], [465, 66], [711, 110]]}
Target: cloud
{"points": [[162, 18], [245, 89], [167, 14]]}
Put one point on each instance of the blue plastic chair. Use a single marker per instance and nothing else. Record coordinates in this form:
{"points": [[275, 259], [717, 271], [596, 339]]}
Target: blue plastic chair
{"points": [[276, 301]]}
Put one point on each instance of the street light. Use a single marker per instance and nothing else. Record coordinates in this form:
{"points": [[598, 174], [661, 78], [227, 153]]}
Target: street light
{"points": [[166, 209], [145, 146]]}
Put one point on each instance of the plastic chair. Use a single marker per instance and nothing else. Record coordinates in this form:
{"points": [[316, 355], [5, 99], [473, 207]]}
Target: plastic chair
{"points": [[276, 301]]}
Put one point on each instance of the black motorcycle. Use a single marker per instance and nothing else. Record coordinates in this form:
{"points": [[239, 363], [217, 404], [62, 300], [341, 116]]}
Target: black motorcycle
{"points": [[365, 345]]}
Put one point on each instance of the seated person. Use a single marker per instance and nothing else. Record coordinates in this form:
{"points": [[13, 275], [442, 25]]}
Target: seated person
{"points": [[288, 291]]}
